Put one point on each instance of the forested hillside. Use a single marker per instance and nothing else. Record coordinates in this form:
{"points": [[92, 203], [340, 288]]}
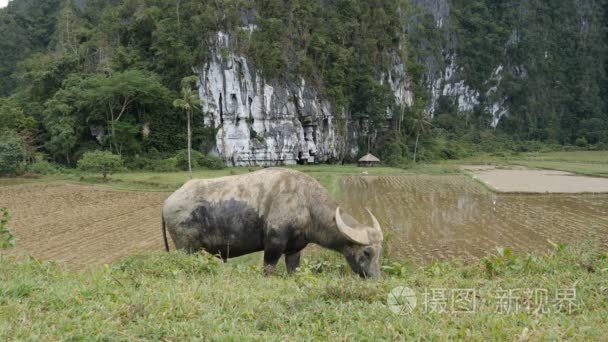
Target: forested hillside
{"points": [[79, 75]]}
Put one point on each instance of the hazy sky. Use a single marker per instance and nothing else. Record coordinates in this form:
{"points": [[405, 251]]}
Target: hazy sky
{"points": [[3, 3]]}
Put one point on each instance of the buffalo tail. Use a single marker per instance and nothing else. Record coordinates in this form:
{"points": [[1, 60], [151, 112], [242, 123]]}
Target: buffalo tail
{"points": [[164, 231]]}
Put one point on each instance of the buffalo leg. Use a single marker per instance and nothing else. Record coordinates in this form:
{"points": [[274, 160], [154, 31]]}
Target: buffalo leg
{"points": [[271, 258], [274, 247], [292, 262]]}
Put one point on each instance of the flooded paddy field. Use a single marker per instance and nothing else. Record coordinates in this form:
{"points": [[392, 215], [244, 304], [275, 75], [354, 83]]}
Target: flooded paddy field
{"points": [[446, 217]]}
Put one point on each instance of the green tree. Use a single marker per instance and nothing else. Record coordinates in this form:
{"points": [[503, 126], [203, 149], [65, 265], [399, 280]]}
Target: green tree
{"points": [[188, 102], [419, 126], [111, 98], [26, 27], [63, 121], [12, 152], [103, 162], [13, 117]]}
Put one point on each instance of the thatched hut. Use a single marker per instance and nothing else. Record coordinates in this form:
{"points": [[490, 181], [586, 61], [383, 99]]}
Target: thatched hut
{"points": [[368, 160]]}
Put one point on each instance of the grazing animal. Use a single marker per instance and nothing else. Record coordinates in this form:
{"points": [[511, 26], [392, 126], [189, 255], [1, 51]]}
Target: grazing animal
{"points": [[278, 211]]}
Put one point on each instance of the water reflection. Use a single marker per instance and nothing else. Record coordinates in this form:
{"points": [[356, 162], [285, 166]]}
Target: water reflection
{"points": [[442, 217]]}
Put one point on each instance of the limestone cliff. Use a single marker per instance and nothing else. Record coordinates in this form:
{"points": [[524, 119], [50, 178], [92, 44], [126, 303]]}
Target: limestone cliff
{"points": [[262, 122], [271, 122], [443, 74]]}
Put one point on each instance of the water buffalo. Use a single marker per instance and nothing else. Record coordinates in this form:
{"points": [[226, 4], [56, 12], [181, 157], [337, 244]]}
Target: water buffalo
{"points": [[278, 211]]}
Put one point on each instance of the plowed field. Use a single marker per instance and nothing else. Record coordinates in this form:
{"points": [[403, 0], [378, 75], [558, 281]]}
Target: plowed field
{"points": [[82, 225]]}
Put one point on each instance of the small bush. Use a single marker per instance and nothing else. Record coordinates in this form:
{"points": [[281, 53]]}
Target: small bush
{"points": [[43, 167], [103, 162], [165, 165], [212, 163], [6, 238], [182, 159], [198, 160], [580, 142], [12, 153]]}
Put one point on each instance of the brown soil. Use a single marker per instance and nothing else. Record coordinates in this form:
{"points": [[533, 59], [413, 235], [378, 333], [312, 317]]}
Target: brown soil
{"points": [[82, 225]]}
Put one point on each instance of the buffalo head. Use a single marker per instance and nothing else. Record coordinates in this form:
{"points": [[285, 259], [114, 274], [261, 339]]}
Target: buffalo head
{"points": [[364, 251]]}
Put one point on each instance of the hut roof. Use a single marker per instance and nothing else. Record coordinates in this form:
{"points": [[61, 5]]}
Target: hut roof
{"points": [[369, 158]]}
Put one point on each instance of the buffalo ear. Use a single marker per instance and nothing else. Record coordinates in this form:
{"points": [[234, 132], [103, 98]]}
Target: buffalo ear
{"points": [[358, 236]]}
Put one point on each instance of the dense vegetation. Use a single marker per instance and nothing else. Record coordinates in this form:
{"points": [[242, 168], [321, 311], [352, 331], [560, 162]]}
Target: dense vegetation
{"points": [[81, 75], [554, 55]]}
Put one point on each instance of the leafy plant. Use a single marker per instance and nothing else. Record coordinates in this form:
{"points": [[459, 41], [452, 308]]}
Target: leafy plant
{"points": [[103, 162], [7, 239], [504, 260], [12, 152], [183, 163], [395, 269], [212, 163], [43, 167]]}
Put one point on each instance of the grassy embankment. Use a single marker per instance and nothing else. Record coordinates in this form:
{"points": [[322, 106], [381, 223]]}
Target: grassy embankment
{"points": [[591, 163], [173, 296], [328, 175]]}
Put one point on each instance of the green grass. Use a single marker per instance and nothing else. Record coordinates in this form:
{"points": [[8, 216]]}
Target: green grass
{"points": [[328, 175], [591, 163], [174, 296]]}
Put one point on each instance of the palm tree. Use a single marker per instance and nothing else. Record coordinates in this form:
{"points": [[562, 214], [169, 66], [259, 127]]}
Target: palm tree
{"points": [[420, 125], [189, 102]]}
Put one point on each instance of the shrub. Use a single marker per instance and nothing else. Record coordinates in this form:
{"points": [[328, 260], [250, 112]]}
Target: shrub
{"points": [[12, 152], [43, 167], [394, 153], [103, 162], [182, 159], [580, 142], [6, 238], [152, 163], [212, 162], [165, 165], [198, 160]]}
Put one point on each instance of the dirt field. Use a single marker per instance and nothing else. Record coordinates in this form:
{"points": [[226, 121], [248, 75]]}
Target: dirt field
{"points": [[525, 180], [82, 225]]}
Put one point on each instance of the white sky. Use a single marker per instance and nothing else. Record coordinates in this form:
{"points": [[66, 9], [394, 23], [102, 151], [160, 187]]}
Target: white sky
{"points": [[3, 3]]}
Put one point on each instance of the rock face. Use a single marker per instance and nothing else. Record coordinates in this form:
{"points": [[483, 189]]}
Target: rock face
{"points": [[262, 122], [269, 122], [444, 79]]}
